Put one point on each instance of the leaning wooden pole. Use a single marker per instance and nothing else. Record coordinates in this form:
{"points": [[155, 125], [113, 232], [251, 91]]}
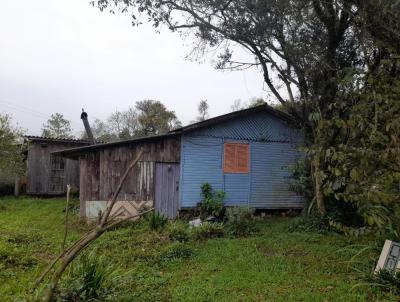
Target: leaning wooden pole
{"points": [[66, 218], [69, 254]]}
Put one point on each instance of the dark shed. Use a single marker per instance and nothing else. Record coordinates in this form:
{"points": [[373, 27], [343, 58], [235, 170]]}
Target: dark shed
{"points": [[48, 174], [102, 165]]}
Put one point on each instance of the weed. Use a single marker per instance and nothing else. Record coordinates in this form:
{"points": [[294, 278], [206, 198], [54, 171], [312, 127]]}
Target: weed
{"points": [[157, 221], [208, 230], [178, 230], [177, 252], [309, 223], [240, 221], [91, 278], [212, 203]]}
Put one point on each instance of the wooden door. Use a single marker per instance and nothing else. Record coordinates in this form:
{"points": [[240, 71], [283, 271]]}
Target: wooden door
{"points": [[167, 189]]}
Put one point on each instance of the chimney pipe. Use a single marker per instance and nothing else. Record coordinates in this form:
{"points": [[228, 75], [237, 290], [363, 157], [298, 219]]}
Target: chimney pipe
{"points": [[84, 117]]}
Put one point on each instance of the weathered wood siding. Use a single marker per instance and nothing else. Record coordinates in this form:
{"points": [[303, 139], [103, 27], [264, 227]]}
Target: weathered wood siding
{"points": [[39, 170], [102, 169]]}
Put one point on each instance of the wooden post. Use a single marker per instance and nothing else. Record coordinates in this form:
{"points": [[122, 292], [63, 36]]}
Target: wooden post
{"points": [[66, 219]]}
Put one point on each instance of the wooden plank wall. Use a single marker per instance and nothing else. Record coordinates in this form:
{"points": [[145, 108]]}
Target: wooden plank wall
{"points": [[102, 169], [38, 168]]}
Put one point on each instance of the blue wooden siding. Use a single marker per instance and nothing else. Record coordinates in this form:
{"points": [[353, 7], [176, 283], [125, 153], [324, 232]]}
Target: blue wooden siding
{"points": [[271, 151]]}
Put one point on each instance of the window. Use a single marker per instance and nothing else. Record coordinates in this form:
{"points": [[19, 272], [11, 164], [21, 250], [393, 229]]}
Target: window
{"points": [[236, 158]]}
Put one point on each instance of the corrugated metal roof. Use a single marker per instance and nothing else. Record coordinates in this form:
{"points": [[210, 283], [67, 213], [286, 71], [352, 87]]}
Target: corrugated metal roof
{"points": [[260, 126], [56, 139], [229, 116], [71, 152]]}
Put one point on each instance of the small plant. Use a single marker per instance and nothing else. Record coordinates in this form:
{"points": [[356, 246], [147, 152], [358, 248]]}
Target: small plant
{"points": [[176, 252], [240, 221], [157, 221], [90, 278], [178, 231], [208, 230], [212, 203]]}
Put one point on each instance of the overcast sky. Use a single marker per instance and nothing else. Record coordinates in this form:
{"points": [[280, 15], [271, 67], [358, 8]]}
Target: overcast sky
{"points": [[64, 55]]}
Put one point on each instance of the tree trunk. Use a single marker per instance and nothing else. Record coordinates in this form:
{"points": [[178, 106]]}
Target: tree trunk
{"points": [[319, 197]]}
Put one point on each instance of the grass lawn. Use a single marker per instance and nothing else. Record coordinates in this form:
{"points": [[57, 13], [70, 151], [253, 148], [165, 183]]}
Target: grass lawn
{"points": [[274, 265]]}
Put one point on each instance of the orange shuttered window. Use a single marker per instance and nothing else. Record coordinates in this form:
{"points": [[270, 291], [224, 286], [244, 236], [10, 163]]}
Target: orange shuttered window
{"points": [[236, 158]]}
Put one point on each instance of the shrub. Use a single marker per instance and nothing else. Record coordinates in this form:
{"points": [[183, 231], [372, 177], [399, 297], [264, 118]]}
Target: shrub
{"points": [[157, 221], [212, 202], [176, 252], [208, 230], [90, 278], [178, 231], [309, 223], [240, 221]]}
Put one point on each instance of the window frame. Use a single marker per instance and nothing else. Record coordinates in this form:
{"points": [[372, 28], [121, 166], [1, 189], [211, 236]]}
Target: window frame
{"points": [[228, 168]]}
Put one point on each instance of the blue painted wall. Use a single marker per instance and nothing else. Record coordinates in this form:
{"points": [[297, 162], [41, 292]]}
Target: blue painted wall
{"points": [[272, 148]]}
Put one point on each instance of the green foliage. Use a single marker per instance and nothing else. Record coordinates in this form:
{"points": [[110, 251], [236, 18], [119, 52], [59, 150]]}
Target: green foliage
{"points": [[154, 118], [157, 221], [11, 148], [258, 268], [57, 127], [389, 280], [212, 202], [90, 278], [359, 152], [178, 251], [241, 221], [178, 231], [309, 223], [208, 230], [147, 117]]}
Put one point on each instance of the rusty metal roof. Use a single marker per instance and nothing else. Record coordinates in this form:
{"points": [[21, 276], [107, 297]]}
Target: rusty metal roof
{"points": [[57, 139], [73, 152]]}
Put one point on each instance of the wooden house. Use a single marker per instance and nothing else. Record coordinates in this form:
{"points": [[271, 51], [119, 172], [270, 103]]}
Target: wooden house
{"points": [[244, 153], [47, 173]]}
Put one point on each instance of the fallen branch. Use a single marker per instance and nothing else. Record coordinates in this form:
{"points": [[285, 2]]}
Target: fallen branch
{"points": [[69, 254]]}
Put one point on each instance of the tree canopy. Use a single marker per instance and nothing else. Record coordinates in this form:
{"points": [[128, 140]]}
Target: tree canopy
{"points": [[146, 117], [57, 127]]}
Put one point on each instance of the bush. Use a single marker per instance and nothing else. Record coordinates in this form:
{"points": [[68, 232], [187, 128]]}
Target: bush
{"points": [[208, 230], [240, 221], [212, 202], [90, 278], [157, 221], [309, 223], [178, 231]]}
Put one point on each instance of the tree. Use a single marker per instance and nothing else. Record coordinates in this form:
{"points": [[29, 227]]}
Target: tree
{"points": [[11, 147], [154, 118], [102, 132], [253, 102], [202, 110], [304, 49], [57, 127]]}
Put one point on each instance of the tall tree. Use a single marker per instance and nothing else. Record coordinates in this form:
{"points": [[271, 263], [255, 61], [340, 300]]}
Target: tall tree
{"points": [[305, 49], [154, 118], [202, 110], [57, 127]]}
